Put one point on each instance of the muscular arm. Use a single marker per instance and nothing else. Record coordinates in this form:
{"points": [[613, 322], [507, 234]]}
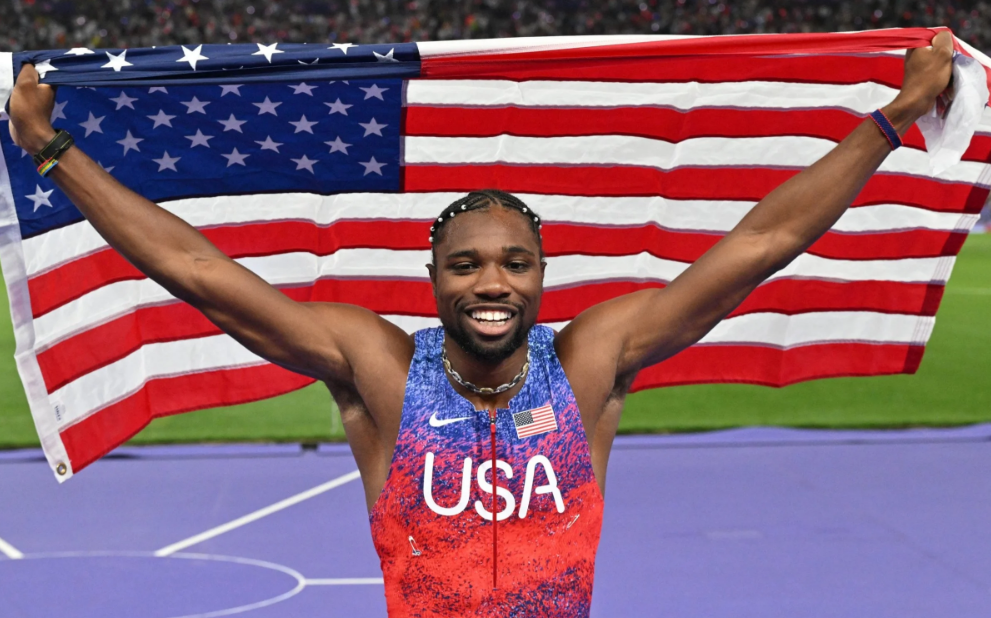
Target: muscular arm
{"points": [[318, 340], [646, 327]]}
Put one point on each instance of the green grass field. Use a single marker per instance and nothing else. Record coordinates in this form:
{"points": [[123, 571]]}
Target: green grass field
{"points": [[952, 387]]}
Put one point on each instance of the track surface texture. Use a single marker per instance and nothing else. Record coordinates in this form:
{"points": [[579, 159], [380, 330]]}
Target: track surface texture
{"points": [[757, 522]]}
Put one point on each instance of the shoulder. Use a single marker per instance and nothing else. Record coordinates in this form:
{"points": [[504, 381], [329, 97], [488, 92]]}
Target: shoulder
{"points": [[365, 336]]}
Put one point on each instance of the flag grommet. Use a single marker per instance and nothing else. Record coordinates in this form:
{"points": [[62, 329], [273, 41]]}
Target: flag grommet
{"points": [[61, 468]]}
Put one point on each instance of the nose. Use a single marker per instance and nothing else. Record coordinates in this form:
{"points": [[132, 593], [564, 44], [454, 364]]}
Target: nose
{"points": [[491, 283]]}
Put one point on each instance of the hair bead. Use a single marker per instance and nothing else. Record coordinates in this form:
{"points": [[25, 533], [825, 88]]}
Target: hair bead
{"points": [[431, 239]]}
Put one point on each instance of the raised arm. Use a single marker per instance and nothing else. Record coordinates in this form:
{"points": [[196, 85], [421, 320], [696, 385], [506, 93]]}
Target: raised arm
{"points": [[319, 340], [646, 327]]}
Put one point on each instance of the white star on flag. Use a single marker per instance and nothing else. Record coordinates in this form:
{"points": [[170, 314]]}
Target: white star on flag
{"points": [[157, 89], [58, 111], [268, 144], [267, 51], [374, 91], [267, 107], [226, 89], [342, 46], [92, 124], [232, 124], [338, 145], [192, 56], [105, 168], [372, 166], [303, 88], [117, 62], [124, 101], [44, 67], [338, 108], [235, 158], [305, 163], [40, 198], [372, 127], [315, 60], [386, 58], [303, 125], [199, 139], [130, 143], [167, 162], [79, 51], [195, 106], [160, 118]]}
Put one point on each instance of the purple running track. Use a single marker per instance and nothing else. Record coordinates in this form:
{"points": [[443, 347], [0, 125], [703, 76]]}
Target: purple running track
{"points": [[757, 522]]}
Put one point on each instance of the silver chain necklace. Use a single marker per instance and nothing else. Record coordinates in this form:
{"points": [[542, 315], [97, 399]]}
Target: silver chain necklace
{"points": [[482, 390]]}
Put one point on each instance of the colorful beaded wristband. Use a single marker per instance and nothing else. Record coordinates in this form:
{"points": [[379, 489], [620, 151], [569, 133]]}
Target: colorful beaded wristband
{"points": [[887, 128], [47, 159]]}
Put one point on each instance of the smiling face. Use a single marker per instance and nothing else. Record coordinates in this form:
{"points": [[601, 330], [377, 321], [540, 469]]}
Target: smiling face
{"points": [[488, 279]]}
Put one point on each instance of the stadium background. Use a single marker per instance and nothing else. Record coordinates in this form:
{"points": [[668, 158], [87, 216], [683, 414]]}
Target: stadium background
{"points": [[950, 388]]}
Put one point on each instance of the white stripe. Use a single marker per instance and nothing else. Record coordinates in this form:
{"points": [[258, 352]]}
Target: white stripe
{"points": [[6, 548], [118, 380], [116, 299], [860, 98], [6, 77], [785, 152], [57, 247], [255, 516], [15, 275], [513, 45], [122, 378], [345, 581], [786, 331]]}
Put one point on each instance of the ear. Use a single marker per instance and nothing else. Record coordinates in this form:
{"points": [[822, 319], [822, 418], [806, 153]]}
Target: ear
{"points": [[433, 277]]}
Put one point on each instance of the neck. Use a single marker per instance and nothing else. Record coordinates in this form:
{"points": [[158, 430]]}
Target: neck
{"points": [[484, 373]]}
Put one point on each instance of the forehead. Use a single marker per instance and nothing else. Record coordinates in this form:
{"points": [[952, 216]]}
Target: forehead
{"points": [[491, 228]]}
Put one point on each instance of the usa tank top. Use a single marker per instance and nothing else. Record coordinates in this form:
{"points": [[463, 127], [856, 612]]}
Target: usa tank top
{"points": [[441, 553]]}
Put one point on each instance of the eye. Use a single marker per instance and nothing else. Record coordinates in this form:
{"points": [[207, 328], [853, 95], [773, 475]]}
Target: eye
{"points": [[519, 265], [463, 267]]}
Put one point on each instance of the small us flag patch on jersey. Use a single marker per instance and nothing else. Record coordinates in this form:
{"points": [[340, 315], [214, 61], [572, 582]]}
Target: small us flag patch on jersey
{"points": [[535, 422]]}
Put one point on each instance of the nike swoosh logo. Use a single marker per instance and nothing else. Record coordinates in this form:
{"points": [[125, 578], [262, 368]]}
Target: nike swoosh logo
{"points": [[436, 422]]}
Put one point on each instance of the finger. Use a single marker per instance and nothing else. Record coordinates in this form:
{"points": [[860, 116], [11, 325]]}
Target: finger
{"points": [[28, 75], [943, 42]]}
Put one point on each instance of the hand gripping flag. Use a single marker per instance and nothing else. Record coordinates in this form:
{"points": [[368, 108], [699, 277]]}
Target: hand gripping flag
{"points": [[321, 168]]}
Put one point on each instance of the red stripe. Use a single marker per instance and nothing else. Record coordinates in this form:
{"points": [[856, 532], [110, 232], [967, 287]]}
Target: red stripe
{"points": [[109, 342], [683, 183], [670, 125], [823, 69], [99, 433], [70, 281], [776, 367]]}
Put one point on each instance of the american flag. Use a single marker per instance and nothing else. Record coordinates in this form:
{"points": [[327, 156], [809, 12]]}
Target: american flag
{"points": [[321, 168], [535, 422]]}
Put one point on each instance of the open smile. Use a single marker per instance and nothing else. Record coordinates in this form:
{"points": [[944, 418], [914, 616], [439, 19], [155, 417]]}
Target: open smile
{"points": [[492, 321]]}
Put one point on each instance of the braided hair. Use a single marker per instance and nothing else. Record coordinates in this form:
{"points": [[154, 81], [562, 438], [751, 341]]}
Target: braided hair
{"points": [[483, 200]]}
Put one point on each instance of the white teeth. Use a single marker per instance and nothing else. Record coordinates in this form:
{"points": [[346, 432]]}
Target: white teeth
{"points": [[491, 316]]}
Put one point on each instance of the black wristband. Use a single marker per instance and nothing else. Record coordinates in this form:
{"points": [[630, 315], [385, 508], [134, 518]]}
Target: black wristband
{"points": [[59, 144]]}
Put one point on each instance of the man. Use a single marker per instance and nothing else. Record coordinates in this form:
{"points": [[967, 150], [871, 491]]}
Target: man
{"points": [[490, 417]]}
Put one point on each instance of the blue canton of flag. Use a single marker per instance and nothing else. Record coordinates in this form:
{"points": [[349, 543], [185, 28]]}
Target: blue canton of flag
{"points": [[191, 139]]}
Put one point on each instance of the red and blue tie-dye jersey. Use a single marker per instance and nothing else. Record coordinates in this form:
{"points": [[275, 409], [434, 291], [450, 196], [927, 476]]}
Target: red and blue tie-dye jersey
{"points": [[432, 524]]}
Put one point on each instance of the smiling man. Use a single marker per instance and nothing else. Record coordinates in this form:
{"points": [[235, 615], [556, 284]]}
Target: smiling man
{"points": [[488, 414]]}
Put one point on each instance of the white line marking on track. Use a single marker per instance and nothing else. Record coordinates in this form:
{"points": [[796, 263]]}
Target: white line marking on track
{"points": [[344, 581], [250, 517], [9, 550]]}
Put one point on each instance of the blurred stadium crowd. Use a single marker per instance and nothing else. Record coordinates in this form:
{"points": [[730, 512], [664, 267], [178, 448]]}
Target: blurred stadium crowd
{"points": [[45, 24]]}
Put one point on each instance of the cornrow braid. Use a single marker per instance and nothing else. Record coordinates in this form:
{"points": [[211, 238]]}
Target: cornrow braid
{"points": [[483, 200]]}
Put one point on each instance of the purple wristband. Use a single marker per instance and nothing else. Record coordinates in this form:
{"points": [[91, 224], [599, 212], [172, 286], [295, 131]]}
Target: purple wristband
{"points": [[887, 128]]}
